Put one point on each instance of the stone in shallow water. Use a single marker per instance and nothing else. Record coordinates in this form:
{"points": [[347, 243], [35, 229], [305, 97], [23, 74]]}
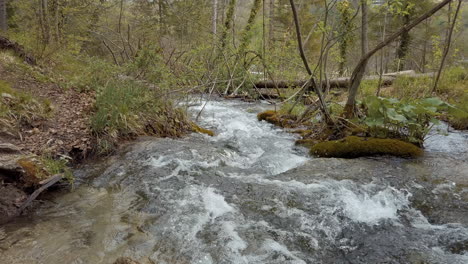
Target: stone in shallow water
{"points": [[125, 260]]}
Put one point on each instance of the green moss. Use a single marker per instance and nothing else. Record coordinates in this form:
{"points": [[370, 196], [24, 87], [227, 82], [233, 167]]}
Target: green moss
{"points": [[264, 115], [202, 130], [353, 147], [277, 119], [308, 143]]}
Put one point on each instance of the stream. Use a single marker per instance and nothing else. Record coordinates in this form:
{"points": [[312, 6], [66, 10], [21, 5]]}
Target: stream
{"points": [[248, 195]]}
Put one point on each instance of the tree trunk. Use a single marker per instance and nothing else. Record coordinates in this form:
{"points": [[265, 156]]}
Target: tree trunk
{"points": [[44, 21], [447, 46], [246, 37], [271, 18], [364, 28], [358, 72], [405, 39], [3, 17], [313, 83], [214, 18], [228, 23]]}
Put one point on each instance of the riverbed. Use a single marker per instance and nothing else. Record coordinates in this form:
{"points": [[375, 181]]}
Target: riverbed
{"points": [[249, 195]]}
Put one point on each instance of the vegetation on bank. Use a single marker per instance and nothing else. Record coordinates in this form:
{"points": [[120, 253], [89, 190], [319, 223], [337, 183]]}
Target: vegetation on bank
{"points": [[137, 59]]}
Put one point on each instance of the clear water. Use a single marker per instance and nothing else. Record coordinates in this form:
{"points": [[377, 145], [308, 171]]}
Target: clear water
{"points": [[248, 195]]}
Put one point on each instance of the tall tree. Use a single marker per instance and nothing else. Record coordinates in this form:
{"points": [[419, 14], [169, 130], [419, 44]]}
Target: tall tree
{"points": [[359, 70], [214, 18], [3, 16]]}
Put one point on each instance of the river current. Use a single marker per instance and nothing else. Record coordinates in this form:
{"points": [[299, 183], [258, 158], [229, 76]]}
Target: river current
{"points": [[248, 195]]}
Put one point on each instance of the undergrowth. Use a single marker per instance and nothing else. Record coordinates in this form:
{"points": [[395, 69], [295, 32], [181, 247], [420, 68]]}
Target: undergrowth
{"points": [[20, 108], [126, 109]]}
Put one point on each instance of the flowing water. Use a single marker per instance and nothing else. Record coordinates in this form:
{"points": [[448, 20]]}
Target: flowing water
{"points": [[248, 195]]}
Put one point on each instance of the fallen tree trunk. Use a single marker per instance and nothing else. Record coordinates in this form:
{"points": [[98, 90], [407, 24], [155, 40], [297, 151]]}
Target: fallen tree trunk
{"points": [[18, 50], [342, 82]]}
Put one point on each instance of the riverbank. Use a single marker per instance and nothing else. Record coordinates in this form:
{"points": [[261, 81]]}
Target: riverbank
{"points": [[55, 117]]}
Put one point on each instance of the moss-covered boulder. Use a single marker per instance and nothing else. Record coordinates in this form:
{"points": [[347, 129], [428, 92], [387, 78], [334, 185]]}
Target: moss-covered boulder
{"points": [[354, 147], [275, 118]]}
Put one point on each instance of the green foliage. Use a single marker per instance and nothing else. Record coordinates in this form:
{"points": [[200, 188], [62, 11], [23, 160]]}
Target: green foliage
{"points": [[458, 114], [409, 121], [296, 111], [149, 65], [126, 109], [83, 73], [17, 108], [57, 166]]}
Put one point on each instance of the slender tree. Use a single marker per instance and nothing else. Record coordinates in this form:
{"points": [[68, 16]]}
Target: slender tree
{"points": [[312, 82], [3, 16], [447, 46], [358, 72], [214, 18]]}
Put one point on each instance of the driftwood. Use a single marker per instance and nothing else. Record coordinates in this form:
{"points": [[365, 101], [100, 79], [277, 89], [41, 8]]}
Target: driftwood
{"points": [[46, 184], [6, 44], [342, 82]]}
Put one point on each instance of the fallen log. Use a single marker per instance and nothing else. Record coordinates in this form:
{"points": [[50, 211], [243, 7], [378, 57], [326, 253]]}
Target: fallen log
{"points": [[17, 49], [341, 82]]}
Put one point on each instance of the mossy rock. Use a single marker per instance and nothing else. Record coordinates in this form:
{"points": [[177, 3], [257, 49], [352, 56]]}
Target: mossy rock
{"points": [[277, 119], [354, 147], [34, 171], [196, 128], [266, 114]]}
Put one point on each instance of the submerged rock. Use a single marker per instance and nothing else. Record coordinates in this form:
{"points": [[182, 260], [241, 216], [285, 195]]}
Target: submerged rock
{"points": [[124, 260], [354, 147]]}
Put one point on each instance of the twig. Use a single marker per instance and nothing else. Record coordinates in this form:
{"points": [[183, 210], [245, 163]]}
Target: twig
{"points": [[49, 182]]}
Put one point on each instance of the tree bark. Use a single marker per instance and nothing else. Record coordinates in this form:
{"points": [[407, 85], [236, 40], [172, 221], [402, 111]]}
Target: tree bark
{"points": [[447, 46], [214, 18], [364, 28], [404, 42], [271, 19], [44, 21], [3, 17], [358, 72]]}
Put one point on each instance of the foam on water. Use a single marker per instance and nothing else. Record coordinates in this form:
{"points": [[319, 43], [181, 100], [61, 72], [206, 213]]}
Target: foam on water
{"points": [[443, 138], [370, 208], [215, 204]]}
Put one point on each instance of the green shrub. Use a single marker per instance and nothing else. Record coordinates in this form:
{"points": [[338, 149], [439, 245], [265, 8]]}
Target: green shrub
{"points": [[57, 166], [126, 109], [409, 121]]}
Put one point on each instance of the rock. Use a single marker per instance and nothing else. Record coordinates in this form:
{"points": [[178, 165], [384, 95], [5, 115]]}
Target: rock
{"points": [[11, 199], [9, 156], [125, 260]]}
